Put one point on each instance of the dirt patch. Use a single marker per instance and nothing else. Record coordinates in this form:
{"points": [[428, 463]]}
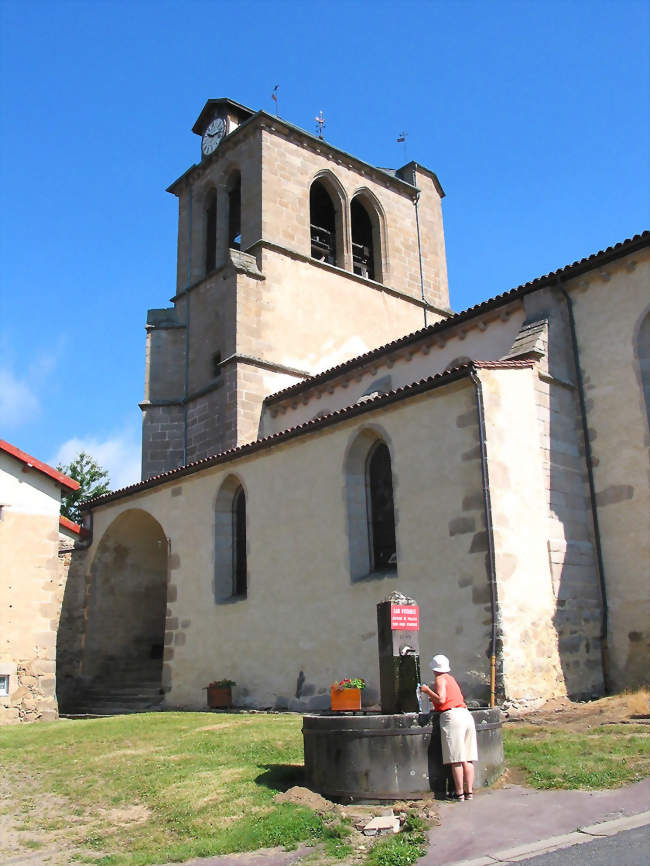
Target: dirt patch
{"points": [[356, 815], [129, 815], [304, 797], [627, 708]]}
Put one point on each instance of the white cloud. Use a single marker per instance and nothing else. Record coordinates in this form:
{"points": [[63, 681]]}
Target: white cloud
{"points": [[119, 455], [23, 379], [18, 402]]}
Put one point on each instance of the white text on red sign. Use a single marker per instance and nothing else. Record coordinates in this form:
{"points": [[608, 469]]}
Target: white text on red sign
{"points": [[405, 617]]}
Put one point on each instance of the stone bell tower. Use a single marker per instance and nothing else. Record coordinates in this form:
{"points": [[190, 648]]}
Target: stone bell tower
{"points": [[293, 256]]}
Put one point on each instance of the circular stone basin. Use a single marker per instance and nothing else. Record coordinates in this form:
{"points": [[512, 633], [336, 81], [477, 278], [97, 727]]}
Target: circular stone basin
{"points": [[391, 757]]}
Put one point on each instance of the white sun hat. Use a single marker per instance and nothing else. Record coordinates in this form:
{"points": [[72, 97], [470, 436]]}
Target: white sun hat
{"points": [[440, 664]]}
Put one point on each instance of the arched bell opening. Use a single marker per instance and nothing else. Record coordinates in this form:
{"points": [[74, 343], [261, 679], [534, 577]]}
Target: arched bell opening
{"points": [[367, 237], [234, 211], [326, 222], [211, 232]]}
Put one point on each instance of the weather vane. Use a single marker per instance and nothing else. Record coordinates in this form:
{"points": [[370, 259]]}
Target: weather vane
{"points": [[274, 97], [320, 123]]}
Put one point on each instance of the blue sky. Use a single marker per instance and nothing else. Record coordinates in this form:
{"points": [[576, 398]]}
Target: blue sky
{"points": [[534, 115]]}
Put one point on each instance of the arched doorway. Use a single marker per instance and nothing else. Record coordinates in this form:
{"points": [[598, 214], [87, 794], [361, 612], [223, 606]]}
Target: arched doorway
{"points": [[125, 614]]}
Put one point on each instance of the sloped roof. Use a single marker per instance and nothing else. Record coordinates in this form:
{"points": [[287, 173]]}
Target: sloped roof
{"points": [[568, 272], [358, 408], [32, 463]]}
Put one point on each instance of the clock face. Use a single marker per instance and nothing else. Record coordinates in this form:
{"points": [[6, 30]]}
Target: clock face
{"points": [[213, 135]]}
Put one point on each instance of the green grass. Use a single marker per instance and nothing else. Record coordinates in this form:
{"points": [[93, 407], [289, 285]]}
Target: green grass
{"points": [[403, 849], [185, 784], [166, 787], [605, 757]]}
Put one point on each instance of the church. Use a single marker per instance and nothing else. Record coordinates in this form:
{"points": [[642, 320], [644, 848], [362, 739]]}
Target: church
{"points": [[320, 429]]}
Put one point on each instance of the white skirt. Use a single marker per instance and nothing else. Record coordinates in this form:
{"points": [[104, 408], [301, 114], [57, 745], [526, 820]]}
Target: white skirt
{"points": [[458, 736]]}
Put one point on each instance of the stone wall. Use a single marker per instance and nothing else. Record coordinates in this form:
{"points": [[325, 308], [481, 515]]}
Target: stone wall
{"points": [[32, 581], [610, 305], [486, 338], [273, 302], [531, 667], [303, 607]]}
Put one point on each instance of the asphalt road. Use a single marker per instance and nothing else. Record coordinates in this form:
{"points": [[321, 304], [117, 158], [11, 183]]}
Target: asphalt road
{"points": [[629, 848]]}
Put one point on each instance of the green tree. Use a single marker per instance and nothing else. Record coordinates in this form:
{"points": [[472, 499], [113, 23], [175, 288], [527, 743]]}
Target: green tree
{"points": [[93, 481]]}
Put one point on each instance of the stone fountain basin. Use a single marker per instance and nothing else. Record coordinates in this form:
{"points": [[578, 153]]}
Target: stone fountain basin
{"points": [[355, 757]]}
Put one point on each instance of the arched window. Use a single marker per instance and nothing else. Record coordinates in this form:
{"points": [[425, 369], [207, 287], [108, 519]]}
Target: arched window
{"points": [[370, 508], [239, 571], [381, 510], [211, 232], [322, 220], [644, 361], [366, 239], [230, 560], [234, 211]]}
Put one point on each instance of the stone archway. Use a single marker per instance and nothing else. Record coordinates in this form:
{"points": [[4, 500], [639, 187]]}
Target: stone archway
{"points": [[126, 606]]}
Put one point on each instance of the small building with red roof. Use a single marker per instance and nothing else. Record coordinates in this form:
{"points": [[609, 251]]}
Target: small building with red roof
{"points": [[35, 545]]}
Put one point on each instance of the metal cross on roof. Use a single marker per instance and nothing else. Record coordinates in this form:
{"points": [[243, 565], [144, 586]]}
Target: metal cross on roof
{"points": [[320, 123]]}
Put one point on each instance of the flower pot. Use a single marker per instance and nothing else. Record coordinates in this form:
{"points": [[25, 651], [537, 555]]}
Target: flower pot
{"points": [[345, 699], [219, 697]]}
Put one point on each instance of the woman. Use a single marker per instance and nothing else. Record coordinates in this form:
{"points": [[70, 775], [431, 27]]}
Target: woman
{"points": [[457, 730]]}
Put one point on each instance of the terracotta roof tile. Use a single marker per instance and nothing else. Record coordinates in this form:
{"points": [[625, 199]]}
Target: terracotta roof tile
{"points": [[422, 385], [32, 463]]}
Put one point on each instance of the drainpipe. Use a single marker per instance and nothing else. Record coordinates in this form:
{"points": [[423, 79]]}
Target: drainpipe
{"points": [[487, 505], [604, 625], [417, 224], [187, 326]]}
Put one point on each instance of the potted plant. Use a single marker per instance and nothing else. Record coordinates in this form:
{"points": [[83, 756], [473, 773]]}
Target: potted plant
{"points": [[345, 695], [220, 693]]}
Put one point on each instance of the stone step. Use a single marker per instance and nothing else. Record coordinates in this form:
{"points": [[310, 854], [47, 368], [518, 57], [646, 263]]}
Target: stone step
{"points": [[82, 712], [98, 691]]}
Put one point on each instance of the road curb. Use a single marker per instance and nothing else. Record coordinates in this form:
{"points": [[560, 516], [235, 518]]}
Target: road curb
{"points": [[610, 828], [554, 843]]}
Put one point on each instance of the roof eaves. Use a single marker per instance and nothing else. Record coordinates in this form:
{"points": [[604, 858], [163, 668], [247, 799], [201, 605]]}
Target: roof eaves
{"points": [[393, 179], [70, 525], [568, 272], [32, 463], [358, 408]]}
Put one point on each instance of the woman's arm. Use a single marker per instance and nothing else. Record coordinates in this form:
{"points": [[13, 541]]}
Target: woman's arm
{"points": [[438, 696]]}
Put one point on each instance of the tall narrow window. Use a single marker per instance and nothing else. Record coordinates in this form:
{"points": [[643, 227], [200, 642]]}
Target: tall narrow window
{"points": [[234, 212], [230, 562], [322, 219], [211, 233], [239, 570], [363, 251], [644, 361], [370, 508], [381, 511]]}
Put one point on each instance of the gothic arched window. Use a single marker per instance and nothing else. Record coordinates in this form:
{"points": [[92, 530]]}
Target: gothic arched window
{"points": [[644, 361], [234, 211], [370, 508], [381, 509], [322, 224], [366, 241], [230, 560], [239, 569], [211, 232]]}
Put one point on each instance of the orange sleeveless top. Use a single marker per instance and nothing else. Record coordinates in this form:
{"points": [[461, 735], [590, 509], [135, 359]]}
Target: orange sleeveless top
{"points": [[454, 697]]}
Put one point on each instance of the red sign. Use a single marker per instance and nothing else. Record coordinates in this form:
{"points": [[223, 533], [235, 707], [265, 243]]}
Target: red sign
{"points": [[405, 617]]}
